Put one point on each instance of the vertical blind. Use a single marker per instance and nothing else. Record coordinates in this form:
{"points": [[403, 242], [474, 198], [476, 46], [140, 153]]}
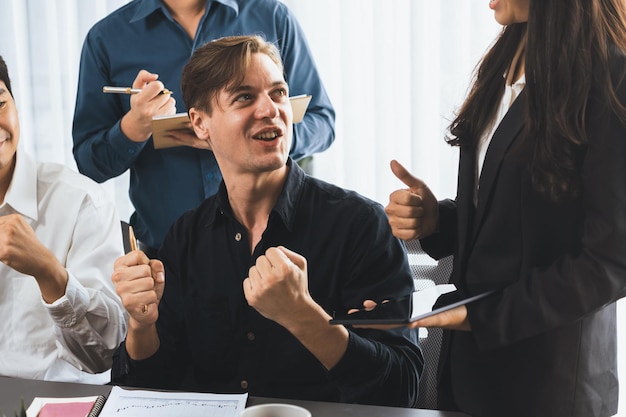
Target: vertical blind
{"points": [[395, 71]]}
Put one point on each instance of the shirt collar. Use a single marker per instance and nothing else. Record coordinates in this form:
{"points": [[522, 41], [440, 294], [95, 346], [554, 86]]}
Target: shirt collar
{"points": [[22, 192], [519, 85], [147, 7], [288, 199], [286, 203]]}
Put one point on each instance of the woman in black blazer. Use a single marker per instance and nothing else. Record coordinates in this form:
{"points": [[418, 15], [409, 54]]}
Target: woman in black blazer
{"points": [[540, 215]]}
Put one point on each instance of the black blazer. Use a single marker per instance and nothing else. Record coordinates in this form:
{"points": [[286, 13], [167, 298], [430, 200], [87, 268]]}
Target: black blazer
{"points": [[545, 344]]}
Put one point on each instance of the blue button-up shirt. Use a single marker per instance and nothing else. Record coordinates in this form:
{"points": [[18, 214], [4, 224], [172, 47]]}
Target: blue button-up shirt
{"points": [[205, 324], [143, 35]]}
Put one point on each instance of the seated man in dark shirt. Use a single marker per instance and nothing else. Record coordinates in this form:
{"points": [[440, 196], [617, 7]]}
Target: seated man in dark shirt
{"points": [[255, 272]]}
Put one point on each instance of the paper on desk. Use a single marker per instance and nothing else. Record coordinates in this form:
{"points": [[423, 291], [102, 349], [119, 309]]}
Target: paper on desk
{"points": [[139, 403]]}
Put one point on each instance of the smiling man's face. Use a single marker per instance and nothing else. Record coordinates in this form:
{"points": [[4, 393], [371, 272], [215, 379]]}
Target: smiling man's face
{"points": [[250, 126]]}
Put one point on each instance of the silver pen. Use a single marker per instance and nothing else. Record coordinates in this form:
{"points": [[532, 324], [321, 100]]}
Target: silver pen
{"points": [[127, 90]]}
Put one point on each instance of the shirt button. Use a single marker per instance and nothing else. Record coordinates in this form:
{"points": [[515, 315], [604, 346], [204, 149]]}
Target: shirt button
{"points": [[250, 336], [244, 384], [238, 237], [132, 151]]}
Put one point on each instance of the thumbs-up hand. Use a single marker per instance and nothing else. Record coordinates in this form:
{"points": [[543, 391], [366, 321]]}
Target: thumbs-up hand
{"points": [[413, 213]]}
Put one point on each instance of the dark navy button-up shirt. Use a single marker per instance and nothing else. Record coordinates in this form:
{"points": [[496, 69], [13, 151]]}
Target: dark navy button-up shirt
{"points": [[206, 326], [142, 35]]}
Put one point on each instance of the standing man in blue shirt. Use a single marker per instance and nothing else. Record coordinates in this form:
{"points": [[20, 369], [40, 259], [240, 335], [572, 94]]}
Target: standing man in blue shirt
{"points": [[145, 44]]}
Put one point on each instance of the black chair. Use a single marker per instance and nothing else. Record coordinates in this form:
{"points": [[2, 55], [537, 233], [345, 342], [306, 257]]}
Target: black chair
{"points": [[428, 272]]}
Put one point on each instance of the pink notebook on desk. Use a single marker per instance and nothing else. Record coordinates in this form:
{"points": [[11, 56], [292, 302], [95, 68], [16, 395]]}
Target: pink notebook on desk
{"points": [[66, 409]]}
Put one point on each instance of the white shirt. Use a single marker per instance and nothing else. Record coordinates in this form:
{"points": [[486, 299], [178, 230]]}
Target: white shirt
{"points": [[511, 92], [76, 220]]}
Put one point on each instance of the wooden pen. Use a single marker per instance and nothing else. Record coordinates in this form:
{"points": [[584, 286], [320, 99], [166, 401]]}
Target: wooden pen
{"points": [[131, 238]]}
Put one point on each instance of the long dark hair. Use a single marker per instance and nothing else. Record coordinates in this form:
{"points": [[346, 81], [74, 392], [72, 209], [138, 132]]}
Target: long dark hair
{"points": [[568, 43]]}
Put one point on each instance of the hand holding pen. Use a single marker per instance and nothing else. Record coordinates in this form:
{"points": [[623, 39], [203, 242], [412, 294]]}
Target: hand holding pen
{"points": [[148, 98], [139, 281]]}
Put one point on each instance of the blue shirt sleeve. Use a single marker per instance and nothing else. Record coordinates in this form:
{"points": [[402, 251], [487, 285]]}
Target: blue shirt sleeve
{"points": [[101, 150]]}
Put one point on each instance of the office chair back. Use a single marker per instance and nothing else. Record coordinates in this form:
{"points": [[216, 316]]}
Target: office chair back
{"points": [[428, 272]]}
